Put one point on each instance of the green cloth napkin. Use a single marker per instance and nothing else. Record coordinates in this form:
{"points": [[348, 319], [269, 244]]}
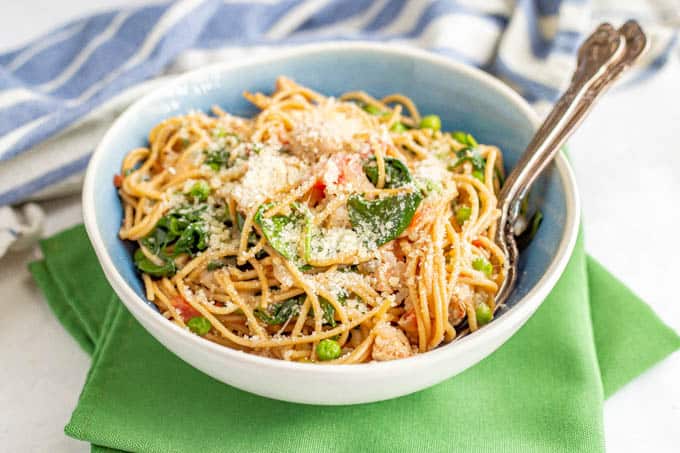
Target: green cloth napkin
{"points": [[542, 391]]}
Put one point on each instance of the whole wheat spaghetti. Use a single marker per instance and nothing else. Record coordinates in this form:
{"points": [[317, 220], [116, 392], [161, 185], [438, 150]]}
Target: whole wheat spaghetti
{"points": [[334, 230]]}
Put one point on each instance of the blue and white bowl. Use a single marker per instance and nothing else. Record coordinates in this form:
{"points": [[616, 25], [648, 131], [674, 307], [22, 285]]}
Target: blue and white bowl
{"points": [[465, 99]]}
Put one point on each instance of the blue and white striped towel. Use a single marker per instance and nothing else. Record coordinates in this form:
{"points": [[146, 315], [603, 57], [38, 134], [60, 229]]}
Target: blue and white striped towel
{"points": [[59, 93]]}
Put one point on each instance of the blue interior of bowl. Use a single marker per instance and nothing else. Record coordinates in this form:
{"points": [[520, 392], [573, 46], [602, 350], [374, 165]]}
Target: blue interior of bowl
{"points": [[462, 102]]}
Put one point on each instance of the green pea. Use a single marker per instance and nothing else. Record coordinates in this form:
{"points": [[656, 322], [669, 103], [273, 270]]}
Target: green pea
{"points": [[200, 190], [464, 139], [374, 110], [398, 127], [478, 174], [482, 265], [213, 265], [462, 214], [328, 349], [431, 122], [199, 325], [483, 313]]}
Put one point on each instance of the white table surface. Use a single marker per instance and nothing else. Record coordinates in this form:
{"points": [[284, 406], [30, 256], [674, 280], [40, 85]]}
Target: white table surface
{"points": [[627, 161]]}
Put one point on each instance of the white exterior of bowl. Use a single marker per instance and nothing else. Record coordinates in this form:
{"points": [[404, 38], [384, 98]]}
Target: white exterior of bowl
{"points": [[351, 384]]}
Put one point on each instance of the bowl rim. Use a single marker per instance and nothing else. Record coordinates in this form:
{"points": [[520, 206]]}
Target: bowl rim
{"points": [[526, 305]]}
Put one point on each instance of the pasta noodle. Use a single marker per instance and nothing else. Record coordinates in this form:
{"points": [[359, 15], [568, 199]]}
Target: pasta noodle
{"points": [[324, 230]]}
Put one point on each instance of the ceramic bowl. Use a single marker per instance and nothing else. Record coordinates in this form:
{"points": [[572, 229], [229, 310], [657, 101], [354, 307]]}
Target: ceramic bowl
{"points": [[465, 99]]}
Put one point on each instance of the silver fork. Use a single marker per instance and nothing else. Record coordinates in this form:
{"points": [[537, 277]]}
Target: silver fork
{"points": [[602, 58]]}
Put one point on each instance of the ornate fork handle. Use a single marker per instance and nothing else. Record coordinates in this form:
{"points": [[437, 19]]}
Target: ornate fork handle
{"points": [[636, 43], [596, 57], [601, 60]]}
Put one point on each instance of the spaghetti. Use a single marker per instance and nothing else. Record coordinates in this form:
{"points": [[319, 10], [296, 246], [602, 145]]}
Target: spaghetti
{"points": [[324, 230]]}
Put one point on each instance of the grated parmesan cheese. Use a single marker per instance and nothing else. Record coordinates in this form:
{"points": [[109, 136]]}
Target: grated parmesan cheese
{"points": [[432, 169], [268, 172], [324, 130], [334, 241]]}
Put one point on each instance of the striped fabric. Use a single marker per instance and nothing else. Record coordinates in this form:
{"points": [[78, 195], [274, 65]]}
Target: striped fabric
{"points": [[60, 92]]}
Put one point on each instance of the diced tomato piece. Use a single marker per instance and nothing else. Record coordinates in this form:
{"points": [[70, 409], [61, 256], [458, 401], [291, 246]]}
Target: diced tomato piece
{"points": [[117, 180], [318, 192], [477, 243], [341, 161], [417, 216], [424, 216], [185, 310]]}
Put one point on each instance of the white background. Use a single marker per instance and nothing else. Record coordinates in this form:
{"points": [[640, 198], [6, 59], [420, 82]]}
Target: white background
{"points": [[627, 161]]}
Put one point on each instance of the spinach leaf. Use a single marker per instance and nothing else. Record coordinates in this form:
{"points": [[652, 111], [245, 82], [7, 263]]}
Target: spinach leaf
{"points": [[472, 156], [524, 205], [157, 239], [382, 220], [328, 312], [328, 309], [180, 218], [192, 239], [469, 153], [281, 312], [342, 295], [216, 264], [284, 232], [397, 173], [145, 265], [170, 227], [240, 220], [217, 158], [528, 234], [183, 229]]}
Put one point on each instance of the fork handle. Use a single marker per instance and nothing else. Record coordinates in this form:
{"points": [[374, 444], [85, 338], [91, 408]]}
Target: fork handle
{"points": [[601, 60], [597, 55], [636, 43]]}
